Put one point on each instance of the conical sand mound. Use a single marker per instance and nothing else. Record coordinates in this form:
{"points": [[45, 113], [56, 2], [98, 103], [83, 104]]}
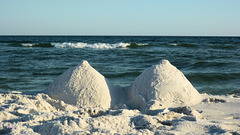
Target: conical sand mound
{"points": [[82, 86], [164, 83], [159, 86]]}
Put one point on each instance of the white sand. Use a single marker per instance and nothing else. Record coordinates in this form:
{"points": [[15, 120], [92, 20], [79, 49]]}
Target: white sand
{"points": [[81, 98], [39, 114], [166, 84], [82, 86]]}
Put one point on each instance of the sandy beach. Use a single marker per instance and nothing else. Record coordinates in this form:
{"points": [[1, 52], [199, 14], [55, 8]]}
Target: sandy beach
{"points": [[39, 114], [91, 67], [82, 101]]}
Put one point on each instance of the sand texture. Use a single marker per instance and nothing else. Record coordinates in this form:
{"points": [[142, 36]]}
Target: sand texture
{"points": [[40, 114]]}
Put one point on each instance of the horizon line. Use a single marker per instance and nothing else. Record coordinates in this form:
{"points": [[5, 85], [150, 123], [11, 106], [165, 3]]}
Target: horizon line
{"points": [[120, 35]]}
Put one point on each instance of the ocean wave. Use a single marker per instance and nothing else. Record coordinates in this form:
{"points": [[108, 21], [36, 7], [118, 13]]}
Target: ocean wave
{"points": [[37, 45], [213, 77], [213, 64], [81, 45], [31, 44], [224, 46], [183, 45], [123, 74], [136, 45], [98, 45], [86, 45]]}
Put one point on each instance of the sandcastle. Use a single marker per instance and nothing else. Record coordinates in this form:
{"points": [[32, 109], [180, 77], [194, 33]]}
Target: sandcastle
{"points": [[163, 83], [82, 86]]}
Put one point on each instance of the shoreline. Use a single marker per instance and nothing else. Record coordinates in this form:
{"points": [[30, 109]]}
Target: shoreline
{"points": [[161, 100]]}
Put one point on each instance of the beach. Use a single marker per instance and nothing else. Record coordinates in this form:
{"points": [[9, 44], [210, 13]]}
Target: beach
{"points": [[171, 110], [119, 85], [39, 114], [31, 63], [119, 67]]}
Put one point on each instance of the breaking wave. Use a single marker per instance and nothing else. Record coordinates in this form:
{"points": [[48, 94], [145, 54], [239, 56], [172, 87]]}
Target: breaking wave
{"points": [[86, 45], [81, 45], [183, 45], [37, 45], [97, 45]]}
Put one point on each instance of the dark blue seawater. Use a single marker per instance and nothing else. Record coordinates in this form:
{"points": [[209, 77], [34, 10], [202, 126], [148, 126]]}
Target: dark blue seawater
{"points": [[31, 63]]}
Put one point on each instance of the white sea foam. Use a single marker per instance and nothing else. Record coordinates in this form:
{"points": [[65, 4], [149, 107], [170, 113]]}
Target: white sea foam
{"points": [[142, 44], [174, 44], [27, 45], [86, 45]]}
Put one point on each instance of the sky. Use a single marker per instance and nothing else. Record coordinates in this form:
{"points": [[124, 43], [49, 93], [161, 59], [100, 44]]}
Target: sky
{"points": [[120, 17]]}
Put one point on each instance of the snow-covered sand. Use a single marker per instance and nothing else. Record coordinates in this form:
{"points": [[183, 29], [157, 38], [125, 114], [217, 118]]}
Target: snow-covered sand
{"points": [[81, 101]]}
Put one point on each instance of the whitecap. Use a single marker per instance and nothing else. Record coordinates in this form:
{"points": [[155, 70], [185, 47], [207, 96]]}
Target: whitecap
{"points": [[94, 45], [27, 45], [174, 44]]}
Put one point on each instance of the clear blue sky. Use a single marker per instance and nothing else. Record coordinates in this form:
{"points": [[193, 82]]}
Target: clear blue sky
{"points": [[120, 17]]}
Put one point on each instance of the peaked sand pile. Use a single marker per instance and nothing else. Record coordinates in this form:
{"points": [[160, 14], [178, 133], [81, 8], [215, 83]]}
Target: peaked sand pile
{"points": [[166, 84], [82, 86], [159, 86]]}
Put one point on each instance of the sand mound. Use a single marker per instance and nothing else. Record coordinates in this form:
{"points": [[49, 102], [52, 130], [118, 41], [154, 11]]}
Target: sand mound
{"points": [[82, 86], [164, 83], [159, 86]]}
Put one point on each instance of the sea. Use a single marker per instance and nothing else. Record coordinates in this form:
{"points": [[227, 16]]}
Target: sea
{"points": [[30, 63]]}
